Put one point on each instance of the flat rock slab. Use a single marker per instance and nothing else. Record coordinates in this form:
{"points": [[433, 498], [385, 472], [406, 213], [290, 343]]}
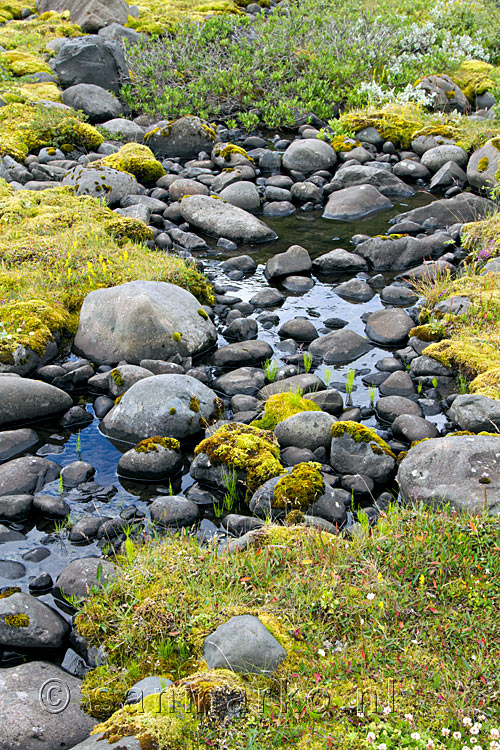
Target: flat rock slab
{"points": [[340, 347], [355, 203], [385, 182], [22, 399], [15, 442], [476, 413], [448, 211], [219, 219], [27, 475], [31, 714], [463, 471]]}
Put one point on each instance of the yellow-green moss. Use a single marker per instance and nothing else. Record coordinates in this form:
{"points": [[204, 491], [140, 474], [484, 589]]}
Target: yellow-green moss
{"points": [[343, 144], [300, 488], [155, 18], [246, 448], [230, 150], [22, 63], [483, 164], [194, 404], [150, 445], [117, 377], [389, 236], [281, 406], [177, 336], [9, 591], [117, 400], [172, 411], [426, 332], [203, 313], [135, 159], [29, 92], [17, 621], [361, 434], [473, 77]]}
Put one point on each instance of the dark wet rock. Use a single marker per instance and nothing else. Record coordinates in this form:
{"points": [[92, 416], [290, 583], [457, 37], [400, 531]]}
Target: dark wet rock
{"points": [[359, 486], [387, 183], [410, 428], [299, 329], [397, 384], [389, 327], [243, 263], [80, 576], [50, 506], [11, 570], [462, 208], [292, 456], [155, 463], [243, 353], [295, 260], [219, 219], [15, 442], [212, 475], [390, 407], [102, 405], [139, 320], [36, 555], [86, 529], [27, 475], [171, 405], [329, 401], [340, 347], [347, 456], [355, 289], [77, 472], [26, 722], [355, 203], [238, 525], [174, 510], [91, 59], [392, 252], [101, 182], [184, 138], [15, 508], [461, 471], [244, 380], [241, 329], [476, 413], [267, 298], [9, 535], [308, 429], [22, 399], [335, 323], [449, 174], [41, 582], [42, 627], [76, 418], [309, 155], [338, 262], [243, 644], [424, 366], [95, 101], [305, 383], [398, 295]]}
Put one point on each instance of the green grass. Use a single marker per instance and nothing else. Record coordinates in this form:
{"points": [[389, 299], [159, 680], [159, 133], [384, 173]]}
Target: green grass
{"points": [[412, 602]]}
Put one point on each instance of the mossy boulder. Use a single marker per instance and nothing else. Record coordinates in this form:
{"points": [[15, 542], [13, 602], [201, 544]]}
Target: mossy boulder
{"points": [[184, 137], [484, 166], [27, 622], [138, 160], [473, 77], [280, 407], [99, 181], [447, 96], [356, 449], [153, 458]]}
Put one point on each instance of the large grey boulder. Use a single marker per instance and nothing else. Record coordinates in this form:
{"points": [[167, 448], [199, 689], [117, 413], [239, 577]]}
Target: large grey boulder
{"points": [[27, 475], [242, 194], [347, 456], [295, 260], [243, 644], [91, 59], [462, 471], [387, 183], [437, 157], [22, 399], [219, 219], [166, 405], [91, 15], [40, 708], [139, 320], [476, 413], [26, 622], [447, 96], [101, 182], [393, 252], [184, 137], [115, 32], [355, 202], [483, 166], [307, 429], [80, 576], [340, 347], [174, 511], [309, 155], [462, 208], [15, 442], [95, 101], [389, 327]]}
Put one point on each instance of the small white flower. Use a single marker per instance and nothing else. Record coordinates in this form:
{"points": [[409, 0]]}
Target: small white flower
{"points": [[445, 732], [466, 747], [9, 336], [415, 736], [494, 734], [370, 596], [387, 710], [467, 721], [477, 747], [370, 737], [494, 745], [409, 717], [474, 729], [321, 652], [457, 735], [382, 746]]}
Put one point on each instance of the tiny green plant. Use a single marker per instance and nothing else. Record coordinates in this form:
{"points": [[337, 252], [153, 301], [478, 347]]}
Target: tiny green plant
{"points": [[349, 384], [308, 360], [61, 486], [434, 382], [419, 386], [462, 384], [372, 392], [79, 445], [170, 488], [271, 369], [327, 376], [231, 495]]}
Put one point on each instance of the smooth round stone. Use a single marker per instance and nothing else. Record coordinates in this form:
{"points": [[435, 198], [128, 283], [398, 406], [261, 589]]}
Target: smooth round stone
{"points": [[243, 353], [11, 569], [50, 506], [15, 442], [292, 456], [398, 383], [174, 510], [267, 298], [390, 407], [358, 485], [356, 290], [398, 295], [297, 284], [410, 427], [36, 555], [41, 582], [278, 208], [388, 364], [389, 327], [299, 329]]}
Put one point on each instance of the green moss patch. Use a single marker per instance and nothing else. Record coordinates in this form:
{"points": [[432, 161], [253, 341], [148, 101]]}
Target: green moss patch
{"points": [[157, 17], [17, 621], [135, 159], [281, 406], [300, 488], [474, 77], [150, 445], [361, 434]]}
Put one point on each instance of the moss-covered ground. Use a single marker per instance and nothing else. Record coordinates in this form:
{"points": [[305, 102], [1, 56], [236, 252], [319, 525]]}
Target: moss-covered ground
{"points": [[158, 17], [405, 615], [56, 248]]}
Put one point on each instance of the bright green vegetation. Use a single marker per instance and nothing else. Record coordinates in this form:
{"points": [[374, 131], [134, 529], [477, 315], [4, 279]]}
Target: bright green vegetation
{"points": [[281, 406], [150, 445], [475, 77], [136, 159], [194, 404], [17, 621], [301, 487], [245, 448], [56, 248], [12, 9], [157, 16], [469, 342], [410, 604], [117, 377], [313, 57], [361, 434]]}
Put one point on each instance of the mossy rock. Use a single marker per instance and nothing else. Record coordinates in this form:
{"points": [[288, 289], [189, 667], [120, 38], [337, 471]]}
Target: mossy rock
{"points": [[281, 406], [22, 63], [361, 434], [473, 77], [135, 159]]}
